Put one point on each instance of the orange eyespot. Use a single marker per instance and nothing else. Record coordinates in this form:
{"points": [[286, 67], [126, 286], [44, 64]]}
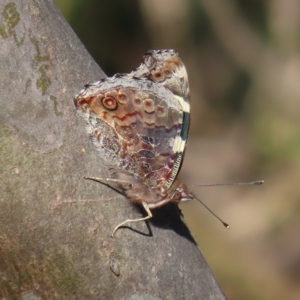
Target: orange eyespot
{"points": [[161, 111], [167, 72], [158, 76], [122, 97], [148, 105], [137, 101], [109, 103]]}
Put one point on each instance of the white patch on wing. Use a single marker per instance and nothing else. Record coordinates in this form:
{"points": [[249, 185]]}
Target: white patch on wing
{"points": [[184, 104], [179, 144]]}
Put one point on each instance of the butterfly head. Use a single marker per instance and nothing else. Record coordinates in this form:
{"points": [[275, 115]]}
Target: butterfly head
{"points": [[181, 194]]}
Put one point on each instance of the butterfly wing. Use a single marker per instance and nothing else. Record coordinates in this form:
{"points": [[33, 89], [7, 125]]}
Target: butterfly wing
{"points": [[140, 124]]}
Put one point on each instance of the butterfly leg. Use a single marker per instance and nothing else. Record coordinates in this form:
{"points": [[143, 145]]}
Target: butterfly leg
{"points": [[111, 182], [104, 180], [147, 209]]}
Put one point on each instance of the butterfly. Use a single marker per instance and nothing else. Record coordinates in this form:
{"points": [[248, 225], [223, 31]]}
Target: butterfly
{"points": [[139, 123]]}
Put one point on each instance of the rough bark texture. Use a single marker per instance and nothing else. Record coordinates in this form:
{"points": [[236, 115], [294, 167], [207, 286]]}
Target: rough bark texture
{"points": [[54, 240]]}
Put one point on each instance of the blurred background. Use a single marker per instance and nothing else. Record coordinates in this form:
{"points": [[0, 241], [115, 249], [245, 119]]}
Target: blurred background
{"points": [[243, 62]]}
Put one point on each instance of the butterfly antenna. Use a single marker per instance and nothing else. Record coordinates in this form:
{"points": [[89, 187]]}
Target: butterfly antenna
{"points": [[224, 224], [257, 182]]}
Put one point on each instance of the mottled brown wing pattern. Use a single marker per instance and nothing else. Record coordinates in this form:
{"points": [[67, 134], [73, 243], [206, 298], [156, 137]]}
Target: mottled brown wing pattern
{"points": [[134, 124]]}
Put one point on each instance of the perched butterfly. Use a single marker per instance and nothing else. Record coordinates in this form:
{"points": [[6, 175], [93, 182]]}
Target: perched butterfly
{"points": [[139, 123]]}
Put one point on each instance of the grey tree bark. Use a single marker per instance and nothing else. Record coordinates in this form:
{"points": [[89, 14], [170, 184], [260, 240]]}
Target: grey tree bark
{"points": [[55, 227]]}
